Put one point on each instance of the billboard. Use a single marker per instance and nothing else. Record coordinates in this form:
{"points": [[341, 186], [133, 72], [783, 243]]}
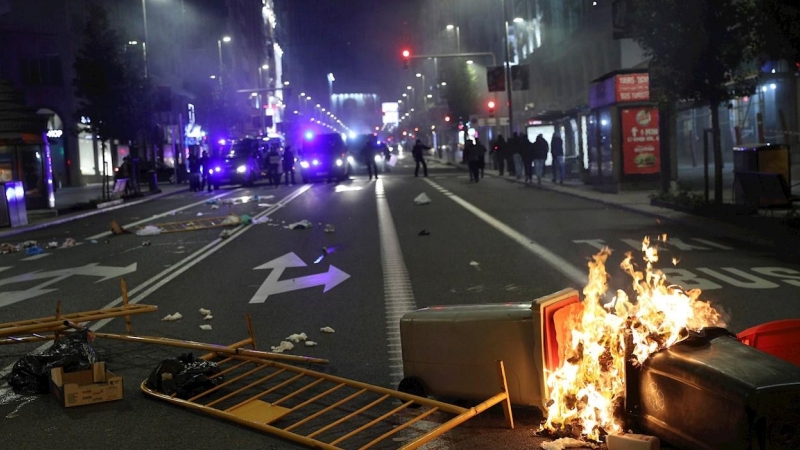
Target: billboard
{"points": [[641, 146], [391, 112]]}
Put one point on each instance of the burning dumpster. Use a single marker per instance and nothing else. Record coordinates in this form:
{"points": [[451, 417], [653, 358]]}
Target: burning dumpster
{"points": [[450, 351], [713, 392]]}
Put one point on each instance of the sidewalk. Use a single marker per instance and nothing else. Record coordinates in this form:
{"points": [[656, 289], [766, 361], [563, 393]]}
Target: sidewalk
{"points": [[766, 228], [73, 203]]}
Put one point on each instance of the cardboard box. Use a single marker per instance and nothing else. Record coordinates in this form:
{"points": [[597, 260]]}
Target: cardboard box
{"points": [[85, 387]]}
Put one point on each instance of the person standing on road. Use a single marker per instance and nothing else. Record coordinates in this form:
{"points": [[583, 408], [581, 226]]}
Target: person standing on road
{"points": [[418, 153], [540, 150], [517, 147], [481, 149], [194, 173], [288, 164], [472, 155], [205, 163], [499, 154], [526, 151], [368, 156], [273, 166], [557, 151]]}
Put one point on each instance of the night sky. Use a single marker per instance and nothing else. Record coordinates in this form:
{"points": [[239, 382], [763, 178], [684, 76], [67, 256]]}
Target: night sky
{"points": [[358, 40]]}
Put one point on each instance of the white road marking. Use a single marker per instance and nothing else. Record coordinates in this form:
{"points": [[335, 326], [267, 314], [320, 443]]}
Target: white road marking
{"points": [[554, 260], [398, 294], [35, 257], [162, 215], [142, 291]]}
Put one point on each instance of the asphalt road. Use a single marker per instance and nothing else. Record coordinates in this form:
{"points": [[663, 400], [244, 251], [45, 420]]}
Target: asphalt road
{"points": [[491, 242]]}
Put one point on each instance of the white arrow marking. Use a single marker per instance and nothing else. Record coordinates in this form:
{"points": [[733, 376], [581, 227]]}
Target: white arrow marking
{"points": [[274, 285], [9, 298], [94, 270]]}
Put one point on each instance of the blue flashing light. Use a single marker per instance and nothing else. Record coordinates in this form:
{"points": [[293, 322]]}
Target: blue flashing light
{"points": [[309, 135]]}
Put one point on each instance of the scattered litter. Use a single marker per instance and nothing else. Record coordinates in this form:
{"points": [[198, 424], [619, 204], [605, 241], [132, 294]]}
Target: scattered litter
{"points": [[214, 206], [478, 288], [199, 214], [476, 265], [327, 330], [225, 234], [149, 230], [116, 229], [204, 311], [172, 213], [205, 327], [184, 376], [311, 344], [232, 219], [319, 224], [258, 220], [68, 242], [9, 248], [329, 228], [28, 244], [246, 219], [208, 317], [51, 244], [145, 243], [212, 202], [31, 373], [422, 199], [297, 337], [302, 225], [93, 241], [264, 205], [284, 345], [561, 444], [172, 317], [511, 287], [8, 397], [34, 250], [424, 233]]}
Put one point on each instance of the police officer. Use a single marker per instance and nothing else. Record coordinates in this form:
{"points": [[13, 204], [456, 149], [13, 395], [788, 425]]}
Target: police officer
{"points": [[273, 165], [288, 163], [368, 156]]}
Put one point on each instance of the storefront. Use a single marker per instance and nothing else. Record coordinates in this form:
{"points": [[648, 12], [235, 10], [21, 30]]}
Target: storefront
{"points": [[623, 133]]}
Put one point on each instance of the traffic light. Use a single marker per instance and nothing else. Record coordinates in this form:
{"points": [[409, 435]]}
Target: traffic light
{"points": [[490, 105], [406, 58], [447, 118]]}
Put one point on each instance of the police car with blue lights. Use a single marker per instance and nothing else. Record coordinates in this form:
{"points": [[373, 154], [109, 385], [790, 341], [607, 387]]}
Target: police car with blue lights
{"points": [[243, 163], [323, 157]]}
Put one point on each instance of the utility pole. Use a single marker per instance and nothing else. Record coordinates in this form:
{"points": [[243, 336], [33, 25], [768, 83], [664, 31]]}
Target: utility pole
{"points": [[508, 72]]}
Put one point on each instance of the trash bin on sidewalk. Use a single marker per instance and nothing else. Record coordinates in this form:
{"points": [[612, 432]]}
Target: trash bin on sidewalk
{"points": [[152, 180], [763, 158], [12, 208]]}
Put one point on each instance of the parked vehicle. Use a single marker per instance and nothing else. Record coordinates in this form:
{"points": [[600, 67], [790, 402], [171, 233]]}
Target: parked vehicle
{"points": [[242, 164], [323, 156]]}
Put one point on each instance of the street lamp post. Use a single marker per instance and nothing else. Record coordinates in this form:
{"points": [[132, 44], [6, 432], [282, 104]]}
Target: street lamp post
{"points": [[458, 36], [144, 44], [508, 72], [424, 91], [331, 79], [219, 49]]}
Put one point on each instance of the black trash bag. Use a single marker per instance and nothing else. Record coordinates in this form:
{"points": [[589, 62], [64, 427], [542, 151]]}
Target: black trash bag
{"points": [[31, 373], [185, 376]]}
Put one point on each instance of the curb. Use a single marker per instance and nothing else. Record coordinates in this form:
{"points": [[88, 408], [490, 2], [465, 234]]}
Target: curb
{"points": [[72, 217]]}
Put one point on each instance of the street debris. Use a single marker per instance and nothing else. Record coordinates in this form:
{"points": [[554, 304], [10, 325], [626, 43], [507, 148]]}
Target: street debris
{"points": [[225, 234], [205, 327], [329, 228], [297, 337], [282, 347], [327, 330], [424, 233], [172, 317], [31, 373], [35, 250], [199, 214], [259, 220], [204, 311], [302, 225], [422, 199], [184, 376], [311, 344], [8, 397], [245, 219], [264, 205], [214, 206], [476, 265], [145, 243], [68, 242], [561, 444], [51, 244], [116, 229], [149, 230], [208, 317], [231, 219]]}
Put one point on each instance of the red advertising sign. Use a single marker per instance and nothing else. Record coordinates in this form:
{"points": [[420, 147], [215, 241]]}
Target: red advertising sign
{"points": [[634, 87], [641, 148]]}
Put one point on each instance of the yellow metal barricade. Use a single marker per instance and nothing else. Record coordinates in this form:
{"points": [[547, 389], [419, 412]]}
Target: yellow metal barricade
{"points": [[325, 411], [200, 223]]}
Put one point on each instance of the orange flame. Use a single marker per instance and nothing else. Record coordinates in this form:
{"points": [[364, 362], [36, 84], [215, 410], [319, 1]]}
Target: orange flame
{"points": [[589, 386]]}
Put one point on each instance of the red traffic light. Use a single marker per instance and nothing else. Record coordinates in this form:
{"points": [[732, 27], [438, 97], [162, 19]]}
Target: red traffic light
{"points": [[406, 56], [490, 104], [447, 118], [406, 53]]}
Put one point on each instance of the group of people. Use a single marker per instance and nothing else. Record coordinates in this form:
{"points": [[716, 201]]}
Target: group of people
{"points": [[525, 158]]}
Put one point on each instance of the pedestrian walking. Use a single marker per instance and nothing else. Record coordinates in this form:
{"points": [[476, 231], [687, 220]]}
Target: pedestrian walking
{"points": [[368, 156], [517, 148], [472, 155], [481, 156], [288, 164], [540, 150], [418, 153], [499, 153], [557, 152]]}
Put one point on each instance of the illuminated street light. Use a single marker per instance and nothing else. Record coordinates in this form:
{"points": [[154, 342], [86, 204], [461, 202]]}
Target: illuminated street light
{"points": [[469, 61], [409, 88], [265, 67], [285, 83], [419, 75], [519, 20]]}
